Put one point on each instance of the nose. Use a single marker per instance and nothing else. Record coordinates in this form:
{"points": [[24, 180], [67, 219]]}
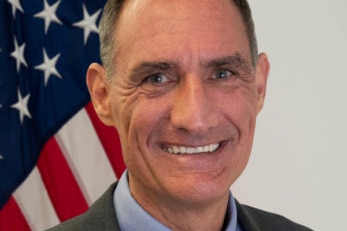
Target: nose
{"points": [[194, 110]]}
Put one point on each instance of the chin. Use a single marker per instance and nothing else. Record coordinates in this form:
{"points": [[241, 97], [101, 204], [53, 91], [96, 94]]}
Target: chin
{"points": [[200, 188]]}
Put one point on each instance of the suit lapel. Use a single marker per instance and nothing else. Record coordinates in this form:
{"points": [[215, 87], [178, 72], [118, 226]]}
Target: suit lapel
{"points": [[101, 215], [246, 220]]}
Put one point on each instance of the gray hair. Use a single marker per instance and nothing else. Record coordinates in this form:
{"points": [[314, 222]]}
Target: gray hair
{"points": [[111, 14]]}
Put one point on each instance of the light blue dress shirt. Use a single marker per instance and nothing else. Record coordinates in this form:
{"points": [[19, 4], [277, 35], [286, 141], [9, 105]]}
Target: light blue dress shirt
{"points": [[132, 217]]}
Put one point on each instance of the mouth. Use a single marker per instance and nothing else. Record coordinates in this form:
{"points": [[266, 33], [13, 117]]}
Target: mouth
{"points": [[185, 150]]}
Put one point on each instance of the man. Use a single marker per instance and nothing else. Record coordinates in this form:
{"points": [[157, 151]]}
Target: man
{"points": [[183, 83]]}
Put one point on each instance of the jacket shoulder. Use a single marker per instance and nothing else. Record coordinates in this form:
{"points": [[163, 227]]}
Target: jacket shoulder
{"points": [[253, 219]]}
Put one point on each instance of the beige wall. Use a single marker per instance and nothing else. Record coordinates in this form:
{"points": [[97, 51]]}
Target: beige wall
{"points": [[299, 162]]}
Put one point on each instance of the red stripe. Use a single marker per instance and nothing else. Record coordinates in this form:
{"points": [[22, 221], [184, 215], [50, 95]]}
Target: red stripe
{"points": [[11, 217], [63, 190], [110, 141]]}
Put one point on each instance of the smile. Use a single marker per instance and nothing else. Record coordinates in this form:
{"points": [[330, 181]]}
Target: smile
{"points": [[179, 150]]}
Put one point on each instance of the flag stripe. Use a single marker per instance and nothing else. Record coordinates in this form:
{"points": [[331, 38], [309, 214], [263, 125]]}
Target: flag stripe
{"points": [[44, 86], [63, 189], [10, 213], [88, 162], [109, 139], [33, 200]]}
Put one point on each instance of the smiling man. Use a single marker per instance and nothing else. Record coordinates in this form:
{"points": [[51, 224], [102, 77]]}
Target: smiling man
{"points": [[183, 83]]}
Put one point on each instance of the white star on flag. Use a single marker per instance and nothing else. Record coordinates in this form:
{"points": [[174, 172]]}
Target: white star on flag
{"points": [[88, 23], [22, 106], [49, 15], [48, 66], [15, 6], [18, 54]]}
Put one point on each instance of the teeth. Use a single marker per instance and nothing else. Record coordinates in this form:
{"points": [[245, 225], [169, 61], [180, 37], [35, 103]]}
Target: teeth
{"points": [[190, 150]]}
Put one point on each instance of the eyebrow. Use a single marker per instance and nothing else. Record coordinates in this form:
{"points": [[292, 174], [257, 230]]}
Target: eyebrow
{"points": [[147, 68], [151, 67], [236, 61]]}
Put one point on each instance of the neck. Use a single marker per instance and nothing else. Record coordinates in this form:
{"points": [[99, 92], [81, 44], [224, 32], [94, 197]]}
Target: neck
{"points": [[197, 219], [188, 216]]}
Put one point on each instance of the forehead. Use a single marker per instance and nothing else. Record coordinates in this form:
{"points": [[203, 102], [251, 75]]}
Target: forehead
{"points": [[152, 9], [154, 26]]}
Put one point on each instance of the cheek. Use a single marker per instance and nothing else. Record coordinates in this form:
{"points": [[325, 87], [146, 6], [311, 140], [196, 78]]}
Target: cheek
{"points": [[243, 116], [139, 118], [241, 113], [246, 116], [240, 108], [143, 120], [122, 107]]}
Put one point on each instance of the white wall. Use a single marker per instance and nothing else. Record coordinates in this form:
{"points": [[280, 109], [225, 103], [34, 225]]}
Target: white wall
{"points": [[298, 165]]}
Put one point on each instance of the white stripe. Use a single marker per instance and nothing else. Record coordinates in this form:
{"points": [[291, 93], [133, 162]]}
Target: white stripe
{"points": [[32, 199], [86, 156]]}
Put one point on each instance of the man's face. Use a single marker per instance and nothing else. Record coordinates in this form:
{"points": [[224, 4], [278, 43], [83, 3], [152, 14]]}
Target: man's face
{"points": [[184, 98]]}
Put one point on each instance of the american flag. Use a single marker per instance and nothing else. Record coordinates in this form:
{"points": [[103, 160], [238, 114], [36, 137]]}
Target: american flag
{"points": [[56, 158]]}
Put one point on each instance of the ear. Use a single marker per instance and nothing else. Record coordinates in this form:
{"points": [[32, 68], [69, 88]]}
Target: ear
{"points": [[98, 87], [262, 73]]}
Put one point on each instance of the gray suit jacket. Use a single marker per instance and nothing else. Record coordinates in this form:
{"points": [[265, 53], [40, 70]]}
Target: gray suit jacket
{"points": [[101, 216]]}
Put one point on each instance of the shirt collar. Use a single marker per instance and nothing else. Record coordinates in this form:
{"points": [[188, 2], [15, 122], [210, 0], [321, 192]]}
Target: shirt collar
{"points": [[131, 216]]}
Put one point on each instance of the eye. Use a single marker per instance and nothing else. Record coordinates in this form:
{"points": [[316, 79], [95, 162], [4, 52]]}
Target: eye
{"points": [[156, 79], [223, 74], [157, 84]]}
